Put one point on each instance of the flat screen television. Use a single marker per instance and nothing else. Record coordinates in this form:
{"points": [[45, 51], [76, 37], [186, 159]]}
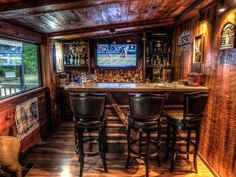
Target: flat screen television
{"points": [[116, 55]]}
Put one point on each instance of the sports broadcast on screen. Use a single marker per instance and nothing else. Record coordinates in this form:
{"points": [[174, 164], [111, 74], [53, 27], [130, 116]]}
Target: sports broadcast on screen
{"points": [[116, 55]]}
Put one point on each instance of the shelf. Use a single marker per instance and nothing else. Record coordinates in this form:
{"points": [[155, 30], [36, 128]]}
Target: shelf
{"points": [[76, 66], [149, 66], [156, 36], [158, 53]]}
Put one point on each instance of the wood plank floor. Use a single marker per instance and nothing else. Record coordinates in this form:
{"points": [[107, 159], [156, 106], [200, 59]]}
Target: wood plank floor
{"points": [[57, 158]]}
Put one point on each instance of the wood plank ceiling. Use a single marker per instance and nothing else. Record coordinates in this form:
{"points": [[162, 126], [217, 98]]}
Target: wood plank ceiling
{"points": [[58, 16]]}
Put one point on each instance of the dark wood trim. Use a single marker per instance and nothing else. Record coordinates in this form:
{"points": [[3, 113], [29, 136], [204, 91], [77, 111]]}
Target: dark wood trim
{"points": [[16, 32], [21, 95], [193, 10], [117, 109], [190, 8]]}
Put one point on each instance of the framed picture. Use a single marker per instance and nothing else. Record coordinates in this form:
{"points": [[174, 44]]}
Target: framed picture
{"points": [[58, 57], [227, 38], [198, 49]]}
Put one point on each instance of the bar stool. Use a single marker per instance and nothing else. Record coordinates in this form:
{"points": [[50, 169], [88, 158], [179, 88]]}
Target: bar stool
{"points": [[88, 111], [145, 117], [189, 120]]}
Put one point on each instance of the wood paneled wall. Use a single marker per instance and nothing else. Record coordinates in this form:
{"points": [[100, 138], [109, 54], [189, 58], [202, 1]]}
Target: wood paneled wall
{"points": [[8, 106], [218, 132], [7, 118]]}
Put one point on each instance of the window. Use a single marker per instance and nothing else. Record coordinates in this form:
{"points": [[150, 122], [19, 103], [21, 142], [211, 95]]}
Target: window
{"points": [[19, 67]]}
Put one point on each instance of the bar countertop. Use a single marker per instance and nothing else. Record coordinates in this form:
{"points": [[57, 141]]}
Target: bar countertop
{"points": [[149, 87]]}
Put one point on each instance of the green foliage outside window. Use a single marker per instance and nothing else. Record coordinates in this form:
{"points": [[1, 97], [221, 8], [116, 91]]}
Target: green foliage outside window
{"points": [[30, 54]]}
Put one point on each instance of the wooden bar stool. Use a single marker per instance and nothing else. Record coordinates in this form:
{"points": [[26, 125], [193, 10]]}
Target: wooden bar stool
{"points": [[89, 116], [189, 120], [145, 117]]}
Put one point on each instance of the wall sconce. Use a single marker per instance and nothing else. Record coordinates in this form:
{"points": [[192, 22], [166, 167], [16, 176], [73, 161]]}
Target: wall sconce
{"points": [[204, 27], [201, 16], [128, 41], [222, 7]]}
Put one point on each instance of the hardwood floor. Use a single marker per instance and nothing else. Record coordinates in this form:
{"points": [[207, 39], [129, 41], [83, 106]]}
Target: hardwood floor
{"points": [[57, 158]]}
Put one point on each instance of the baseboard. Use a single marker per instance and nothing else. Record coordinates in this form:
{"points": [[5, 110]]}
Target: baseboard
{"points": [[208, 165]]}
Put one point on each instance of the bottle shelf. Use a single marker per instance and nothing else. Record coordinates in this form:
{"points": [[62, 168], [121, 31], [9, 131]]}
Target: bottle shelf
{"points": [[158, 53], [76, 66]]}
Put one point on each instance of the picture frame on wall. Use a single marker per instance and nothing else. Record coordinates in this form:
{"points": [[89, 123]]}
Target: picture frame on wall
{"points": [[198, 49], [58, 57]]}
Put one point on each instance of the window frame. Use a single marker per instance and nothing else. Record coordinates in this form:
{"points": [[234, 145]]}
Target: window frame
{"points": [[39, 67]]}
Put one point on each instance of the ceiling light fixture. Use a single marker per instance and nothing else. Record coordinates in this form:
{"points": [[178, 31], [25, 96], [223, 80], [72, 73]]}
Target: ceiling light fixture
{"points": [[201, 16], [222, 7], [144, 36]]}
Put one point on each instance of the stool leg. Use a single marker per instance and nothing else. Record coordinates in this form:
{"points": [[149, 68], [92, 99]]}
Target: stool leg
{"points": [[76, 139], [147, 154], [103, 142], [159, 135], [188, 142], [168, 142], [174, 132], [158, 143], [81, 152], [196, 149], [100, 142], [128, 145], [140, 142], [106, 145]]}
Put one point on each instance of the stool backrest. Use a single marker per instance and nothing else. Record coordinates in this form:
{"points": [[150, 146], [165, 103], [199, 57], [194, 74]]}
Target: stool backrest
{"points": [[146, 106], [194, 106], [88, 106]]}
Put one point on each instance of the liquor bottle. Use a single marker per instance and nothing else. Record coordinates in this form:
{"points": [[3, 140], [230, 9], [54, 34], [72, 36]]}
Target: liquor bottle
{"points": [[151, 47], [82, 59], [73, 59], [86, 59], [65, 59], [70, 59], [76, 60], [79, 58]]}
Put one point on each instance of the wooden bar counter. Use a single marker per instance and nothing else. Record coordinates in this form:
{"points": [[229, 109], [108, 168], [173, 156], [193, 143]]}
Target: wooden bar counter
{"points": [[118, 94]]}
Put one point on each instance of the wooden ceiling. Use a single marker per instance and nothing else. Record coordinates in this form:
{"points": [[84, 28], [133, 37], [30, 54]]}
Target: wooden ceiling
{"points": [[58, 17]]}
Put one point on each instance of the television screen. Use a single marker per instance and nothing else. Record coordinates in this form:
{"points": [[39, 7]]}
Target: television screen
{"points": [[116, 55]]}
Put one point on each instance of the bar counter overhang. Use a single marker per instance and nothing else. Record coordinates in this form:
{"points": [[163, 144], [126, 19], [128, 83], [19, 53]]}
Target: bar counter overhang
{"points": [[131, 87]]}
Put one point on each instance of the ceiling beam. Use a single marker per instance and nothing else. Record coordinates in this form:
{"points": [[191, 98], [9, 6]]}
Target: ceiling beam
{"points": [[106, 33], [138, 24], [186, 11], [24, 8], [193, 9]]}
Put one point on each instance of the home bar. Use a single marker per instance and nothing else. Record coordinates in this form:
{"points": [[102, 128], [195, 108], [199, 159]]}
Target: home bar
{"points": [[117, 88]]}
